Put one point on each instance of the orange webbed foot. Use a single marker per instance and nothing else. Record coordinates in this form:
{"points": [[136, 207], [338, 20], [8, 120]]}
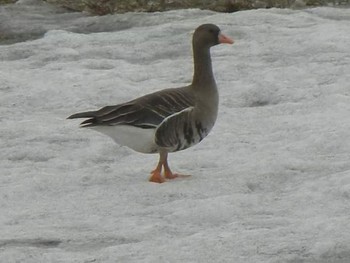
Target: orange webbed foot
{"points": [[156, 177], [170, 175], [156, 174]]}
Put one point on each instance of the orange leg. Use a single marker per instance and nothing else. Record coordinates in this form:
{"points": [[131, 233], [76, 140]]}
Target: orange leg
{"points": [[156, 174], [167, 172]]}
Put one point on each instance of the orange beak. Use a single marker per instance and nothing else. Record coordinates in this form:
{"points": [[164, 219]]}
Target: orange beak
{"points": [[224, 39]]}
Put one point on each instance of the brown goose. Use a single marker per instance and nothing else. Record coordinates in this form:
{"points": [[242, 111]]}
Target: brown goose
{"points": [[169, 120]]}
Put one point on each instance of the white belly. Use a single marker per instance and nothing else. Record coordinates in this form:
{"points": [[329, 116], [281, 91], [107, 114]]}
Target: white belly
{"points": [[138, 139]]}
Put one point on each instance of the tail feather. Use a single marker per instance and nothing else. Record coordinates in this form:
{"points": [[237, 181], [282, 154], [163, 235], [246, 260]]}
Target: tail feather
{"points": [[88, 123], [87, 114]]}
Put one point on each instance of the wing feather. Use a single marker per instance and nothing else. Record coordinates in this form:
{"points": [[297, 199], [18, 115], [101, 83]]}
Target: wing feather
{"points": [[145, 112]]}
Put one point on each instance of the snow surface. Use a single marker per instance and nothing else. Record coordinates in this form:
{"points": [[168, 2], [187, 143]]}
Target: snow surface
{"points": [[271, 183]]}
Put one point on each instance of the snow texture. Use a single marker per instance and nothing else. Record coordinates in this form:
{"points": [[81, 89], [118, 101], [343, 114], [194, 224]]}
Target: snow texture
{"points": [[271, 183]]}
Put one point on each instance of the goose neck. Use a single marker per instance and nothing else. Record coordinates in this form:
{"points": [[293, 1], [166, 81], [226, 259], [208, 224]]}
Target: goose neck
{"points": [[203, 73]]}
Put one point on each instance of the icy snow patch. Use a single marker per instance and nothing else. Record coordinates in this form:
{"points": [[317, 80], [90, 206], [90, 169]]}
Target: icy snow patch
{"points": [[271, 183]]}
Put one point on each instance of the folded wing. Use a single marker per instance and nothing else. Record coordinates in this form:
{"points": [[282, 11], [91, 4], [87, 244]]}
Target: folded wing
{"points": [[146, 112]]}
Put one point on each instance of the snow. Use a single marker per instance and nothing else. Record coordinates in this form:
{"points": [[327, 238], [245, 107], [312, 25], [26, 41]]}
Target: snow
{"points": [[271, 183]]}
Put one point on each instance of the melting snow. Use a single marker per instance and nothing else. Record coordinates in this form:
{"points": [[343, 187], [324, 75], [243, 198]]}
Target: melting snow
{"points": [[271, 183]]}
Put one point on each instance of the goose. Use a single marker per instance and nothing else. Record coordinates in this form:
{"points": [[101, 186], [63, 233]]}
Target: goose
{"points": [[168, 120]]}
